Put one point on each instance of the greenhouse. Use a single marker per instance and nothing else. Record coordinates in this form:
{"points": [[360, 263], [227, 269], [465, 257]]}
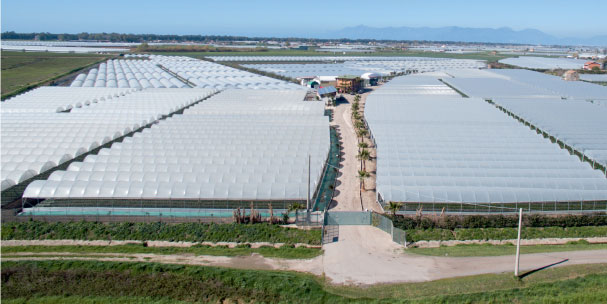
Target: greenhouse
{"points": [[59, 99], [236, 148], [517, 83], [36, 143], [544, 63], [454, 153], [579, 124], [156, 71]]}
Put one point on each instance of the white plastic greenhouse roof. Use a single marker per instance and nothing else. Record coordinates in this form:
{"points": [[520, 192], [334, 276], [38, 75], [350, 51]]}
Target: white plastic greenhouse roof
{"points": [[518, 83], [532, 62], [128, 74], [325, 58], [448, 149], [59, 99], [149, 73], [34, 142], [360, 67], [594, 77], [580, 124], [208, 153]]}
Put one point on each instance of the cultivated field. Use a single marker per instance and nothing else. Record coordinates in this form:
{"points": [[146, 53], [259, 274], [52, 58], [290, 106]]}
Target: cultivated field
{"points": [[21, 70]]}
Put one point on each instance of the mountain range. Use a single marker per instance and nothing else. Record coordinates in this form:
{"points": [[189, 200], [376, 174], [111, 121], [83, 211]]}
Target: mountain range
{"points": [[460, 34]]}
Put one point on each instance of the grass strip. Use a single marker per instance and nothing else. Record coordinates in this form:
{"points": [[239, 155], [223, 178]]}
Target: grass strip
{"points": [[285, 251], [467, 250], [186, 232], [106, 281], [462, 234]]}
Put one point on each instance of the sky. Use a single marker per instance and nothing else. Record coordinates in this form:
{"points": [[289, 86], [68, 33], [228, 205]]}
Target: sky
{"points": [[297, 18]]}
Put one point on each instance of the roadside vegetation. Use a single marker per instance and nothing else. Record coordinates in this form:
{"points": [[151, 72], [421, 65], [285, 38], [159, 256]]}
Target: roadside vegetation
{"points": [[462, 234], [22, 71], [127, 282], [465, 250], [285, 251], [498, 227], [186, 232]]}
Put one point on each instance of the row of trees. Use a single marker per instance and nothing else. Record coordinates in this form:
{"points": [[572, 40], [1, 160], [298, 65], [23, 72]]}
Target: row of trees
{"points": [[364, 154]]}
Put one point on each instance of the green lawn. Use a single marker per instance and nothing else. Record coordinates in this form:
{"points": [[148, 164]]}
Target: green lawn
{"points": [[24, 69], [286, 252], [495, 250], [128, 282]]}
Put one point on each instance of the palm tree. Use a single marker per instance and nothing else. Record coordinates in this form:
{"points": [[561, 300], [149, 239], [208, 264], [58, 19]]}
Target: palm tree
{"points": [[357, 98], [362, 175], [362, 145], [355, 115], [355, 107], [359, 124], [364, 155], [394, 207], [362, 133]]}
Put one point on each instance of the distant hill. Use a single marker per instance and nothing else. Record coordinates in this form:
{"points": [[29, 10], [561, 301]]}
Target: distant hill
{"points": [[460, 34]]}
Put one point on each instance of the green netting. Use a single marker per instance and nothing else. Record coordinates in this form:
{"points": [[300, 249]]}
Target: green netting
{"points": [[381, 222], [327, 185], [348, 218], [399, 236]]}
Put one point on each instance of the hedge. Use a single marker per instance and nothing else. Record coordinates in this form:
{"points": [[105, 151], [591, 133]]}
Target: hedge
{"points": [[188, 232], [498, 221]]}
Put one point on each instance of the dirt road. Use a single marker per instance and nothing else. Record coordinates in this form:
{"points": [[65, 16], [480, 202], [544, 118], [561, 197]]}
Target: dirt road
{"points": [[364, 255], [347, 196]]}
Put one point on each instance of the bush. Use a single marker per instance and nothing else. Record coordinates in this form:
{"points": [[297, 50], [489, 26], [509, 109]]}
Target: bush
{"points": [[498, 221], [188, 232]]}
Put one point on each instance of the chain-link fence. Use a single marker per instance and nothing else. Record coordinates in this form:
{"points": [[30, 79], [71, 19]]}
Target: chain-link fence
{"points": [[332, 221]]}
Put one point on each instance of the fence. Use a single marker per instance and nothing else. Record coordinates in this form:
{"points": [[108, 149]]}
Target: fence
{"points": [[337, 218], [492, 208]]}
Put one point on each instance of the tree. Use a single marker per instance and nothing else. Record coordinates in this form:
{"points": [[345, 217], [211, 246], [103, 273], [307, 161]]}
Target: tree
{"points": [[363, 145], [362, 133], [364, 155], [394, 207], [357, 98], [359, 124], [362, 175]]}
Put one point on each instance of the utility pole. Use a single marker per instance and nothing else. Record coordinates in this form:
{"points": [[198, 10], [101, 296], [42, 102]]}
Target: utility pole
{"points": [[309, 173], [518, 242]]}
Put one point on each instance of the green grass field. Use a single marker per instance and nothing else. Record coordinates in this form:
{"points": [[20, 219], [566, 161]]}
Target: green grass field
{"points": [[24, 69], [495, 250], [127, 282], [285, 252]]}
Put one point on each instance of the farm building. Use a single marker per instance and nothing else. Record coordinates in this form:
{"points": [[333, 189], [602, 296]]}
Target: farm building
{"points": [[349, 84]]}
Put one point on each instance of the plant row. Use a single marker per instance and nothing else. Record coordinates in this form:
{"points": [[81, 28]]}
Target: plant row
{"points": [[498, 221], [187, 232]]}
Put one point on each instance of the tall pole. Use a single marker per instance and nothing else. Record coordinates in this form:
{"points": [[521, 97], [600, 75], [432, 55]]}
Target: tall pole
{"points": [[518, 241], [308, 200]]}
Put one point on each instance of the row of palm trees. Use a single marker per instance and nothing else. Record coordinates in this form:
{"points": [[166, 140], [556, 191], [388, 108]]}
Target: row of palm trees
{"points": [[364, 154]]}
